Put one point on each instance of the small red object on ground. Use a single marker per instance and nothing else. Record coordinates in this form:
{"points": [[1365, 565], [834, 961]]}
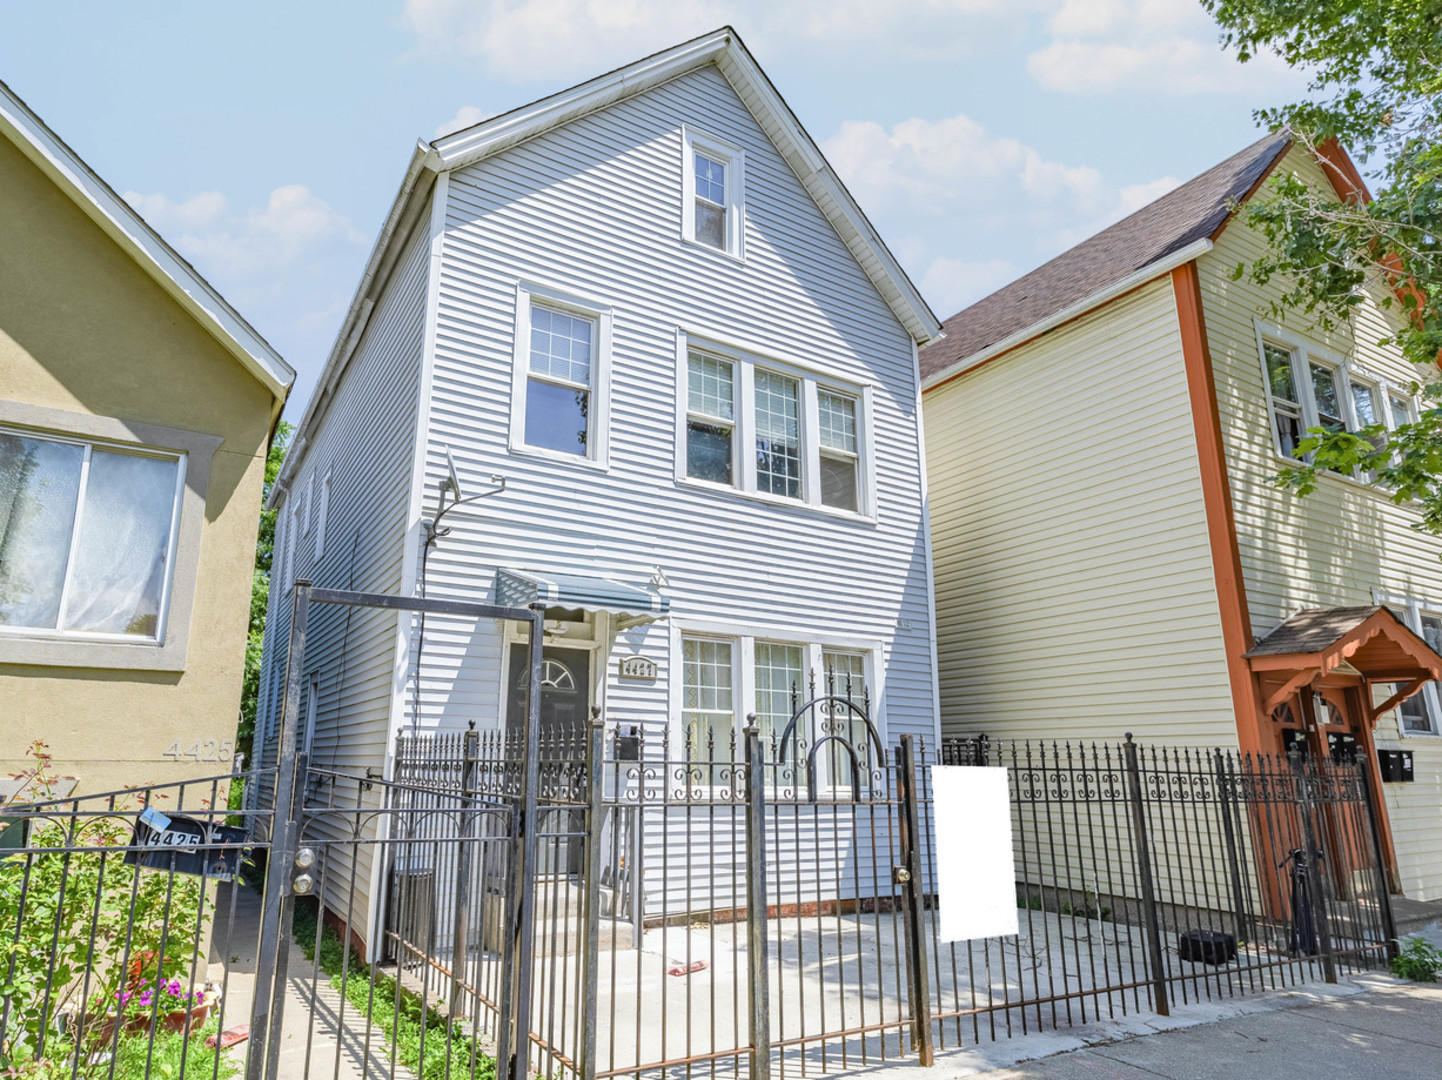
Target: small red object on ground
{"points": [[230, 1036], [699, 965]]}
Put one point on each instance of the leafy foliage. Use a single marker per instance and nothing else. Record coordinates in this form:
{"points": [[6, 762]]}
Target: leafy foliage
{"points": [[260, 594], [82, 928], [1418, 961], [1375, 70]]}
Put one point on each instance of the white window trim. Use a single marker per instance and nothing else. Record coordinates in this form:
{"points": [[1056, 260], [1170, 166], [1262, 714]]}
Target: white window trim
{"points": [[598, 443], [1414, 607], [1303, 352], [743, 637], [734, 158], [745, 361], [322, 512], [167, 651]]}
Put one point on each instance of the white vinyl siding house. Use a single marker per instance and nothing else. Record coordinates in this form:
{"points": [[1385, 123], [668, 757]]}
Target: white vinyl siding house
{"points": [[680, 439]]}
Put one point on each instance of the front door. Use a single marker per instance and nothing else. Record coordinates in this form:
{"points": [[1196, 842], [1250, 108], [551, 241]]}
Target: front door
{"points": [[565, 707]]}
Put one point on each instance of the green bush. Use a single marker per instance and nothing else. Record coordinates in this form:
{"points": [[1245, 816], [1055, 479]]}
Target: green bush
{"points": [[1418, 961]]}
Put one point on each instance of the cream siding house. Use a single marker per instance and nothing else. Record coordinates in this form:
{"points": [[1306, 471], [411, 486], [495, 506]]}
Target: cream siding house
{"points": [[128, 516], [1129, 568], [647, 304]]}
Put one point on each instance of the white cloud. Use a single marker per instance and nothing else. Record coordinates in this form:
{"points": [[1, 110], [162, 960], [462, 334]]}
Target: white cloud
{"points": [[1149, 46], [939, 190], [531, 40], [951, 284], [466, 116], [287, 266]]}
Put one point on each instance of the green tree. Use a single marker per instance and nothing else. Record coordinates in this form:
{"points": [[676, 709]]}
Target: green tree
{"points": [[260, 594], [1375, 85]]}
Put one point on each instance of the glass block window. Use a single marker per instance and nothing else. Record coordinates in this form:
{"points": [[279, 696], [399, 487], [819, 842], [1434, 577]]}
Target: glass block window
{"points": [[778, 434], [558, 386], [839, 454]]}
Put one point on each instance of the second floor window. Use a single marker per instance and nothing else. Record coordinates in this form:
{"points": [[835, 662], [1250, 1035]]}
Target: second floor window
{"points": [[1311, 391], [710, 418], [558, 381], [778, 435], [710, 206]]}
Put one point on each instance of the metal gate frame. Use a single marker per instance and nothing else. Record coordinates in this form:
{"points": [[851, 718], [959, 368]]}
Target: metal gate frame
{"points": [[277, 904]]}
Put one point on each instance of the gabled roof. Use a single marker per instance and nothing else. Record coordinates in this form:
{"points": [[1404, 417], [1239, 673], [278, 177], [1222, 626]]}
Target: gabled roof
{"points": [[1178, 226], [723, 48], [720, 47], [122, 224], [1365, 636]]}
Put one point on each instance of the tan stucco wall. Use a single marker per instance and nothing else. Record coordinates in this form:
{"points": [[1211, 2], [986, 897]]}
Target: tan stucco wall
{"points": [[84, 329]]}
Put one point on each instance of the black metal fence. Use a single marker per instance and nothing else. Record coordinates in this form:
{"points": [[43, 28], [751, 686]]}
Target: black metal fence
{"points": [[623, 906]]}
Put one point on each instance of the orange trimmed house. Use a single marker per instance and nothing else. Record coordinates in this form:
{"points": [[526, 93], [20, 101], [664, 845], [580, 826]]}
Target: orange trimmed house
{"points": [[1110, 551]]}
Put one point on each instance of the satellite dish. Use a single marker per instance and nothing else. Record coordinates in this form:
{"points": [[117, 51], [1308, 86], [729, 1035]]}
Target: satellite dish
{"points": [[455, 480]]}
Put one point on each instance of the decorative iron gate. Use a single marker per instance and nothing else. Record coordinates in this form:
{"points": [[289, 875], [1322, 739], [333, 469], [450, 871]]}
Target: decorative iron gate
{"points": [[634, 904]]}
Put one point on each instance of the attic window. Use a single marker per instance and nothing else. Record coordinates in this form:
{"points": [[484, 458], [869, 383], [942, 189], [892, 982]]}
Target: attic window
{"points": [[713, 178]]}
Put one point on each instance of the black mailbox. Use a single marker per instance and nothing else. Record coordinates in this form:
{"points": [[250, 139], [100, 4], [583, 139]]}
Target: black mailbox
{"points": [[628, 742], [1395, 766]]}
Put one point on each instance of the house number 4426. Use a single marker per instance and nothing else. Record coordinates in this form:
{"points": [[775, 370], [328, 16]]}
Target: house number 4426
{"points": [[200, 750]]}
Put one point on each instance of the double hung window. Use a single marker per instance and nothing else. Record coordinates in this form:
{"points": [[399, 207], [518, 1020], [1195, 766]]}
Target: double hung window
{"points": [[558, 382], [840, 454], [1421, 714], [778, 434], [708, 699], [713, 181], [1307, 390], [87, 536], [710, 418]]}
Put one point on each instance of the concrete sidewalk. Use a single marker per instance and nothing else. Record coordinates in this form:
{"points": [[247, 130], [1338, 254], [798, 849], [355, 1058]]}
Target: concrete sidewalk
{"points": [[1392, 1030]]}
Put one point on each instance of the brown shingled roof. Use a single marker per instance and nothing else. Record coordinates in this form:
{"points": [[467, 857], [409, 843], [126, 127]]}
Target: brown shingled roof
{"points": [[1314, 629], [1195, 211]]}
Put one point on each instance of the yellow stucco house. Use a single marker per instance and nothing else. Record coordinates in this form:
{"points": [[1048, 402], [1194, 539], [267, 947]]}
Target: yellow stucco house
{"points": [[136, 409], [1111, 554]]}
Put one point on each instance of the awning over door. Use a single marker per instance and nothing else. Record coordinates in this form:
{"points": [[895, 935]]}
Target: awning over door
{"points": [[632, 603], [1370, 643]]}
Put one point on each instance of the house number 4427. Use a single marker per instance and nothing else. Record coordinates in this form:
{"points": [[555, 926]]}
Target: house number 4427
{"points": [[200, 750]]}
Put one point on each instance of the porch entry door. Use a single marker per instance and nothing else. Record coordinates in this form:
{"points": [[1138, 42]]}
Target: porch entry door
{"points": [[565, 709]]}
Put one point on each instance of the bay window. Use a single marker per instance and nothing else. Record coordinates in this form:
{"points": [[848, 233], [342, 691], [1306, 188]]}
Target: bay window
{"points": [[87, 536], [839, 456], [778, 434]]}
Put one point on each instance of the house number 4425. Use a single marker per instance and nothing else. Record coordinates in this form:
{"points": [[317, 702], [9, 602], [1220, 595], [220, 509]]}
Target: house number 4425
{"points": [[200, 750]]}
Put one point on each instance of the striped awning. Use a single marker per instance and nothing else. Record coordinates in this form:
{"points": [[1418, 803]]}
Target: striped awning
{"points": [[637, 603]]}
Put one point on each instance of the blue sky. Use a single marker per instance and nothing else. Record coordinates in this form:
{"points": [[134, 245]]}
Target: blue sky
{"points": [[266, 140]]}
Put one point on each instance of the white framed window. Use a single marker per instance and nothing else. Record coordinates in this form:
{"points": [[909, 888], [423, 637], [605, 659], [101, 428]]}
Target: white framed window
{"points": [[713, 193], [708, 701], [322, 512], [560, 386], [728, 672], [710, 418], [1421, 714], [87, 537], [1308, 387], [839, 450], [771, 430], [292, 544]]}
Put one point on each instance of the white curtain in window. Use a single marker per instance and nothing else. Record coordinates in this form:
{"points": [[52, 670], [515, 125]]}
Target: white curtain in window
{"points": [[39, 483], [120, 563]]}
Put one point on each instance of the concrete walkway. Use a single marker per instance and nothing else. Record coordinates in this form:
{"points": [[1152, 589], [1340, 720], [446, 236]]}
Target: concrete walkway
{"points": [[1392, 1031]]}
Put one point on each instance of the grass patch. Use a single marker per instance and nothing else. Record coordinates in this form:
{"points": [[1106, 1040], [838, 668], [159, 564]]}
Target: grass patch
{"points": [[132, 1054], [429, 1045]]}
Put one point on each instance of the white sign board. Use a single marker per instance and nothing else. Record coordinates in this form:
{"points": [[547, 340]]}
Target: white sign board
{"points": [[975, 868]]}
